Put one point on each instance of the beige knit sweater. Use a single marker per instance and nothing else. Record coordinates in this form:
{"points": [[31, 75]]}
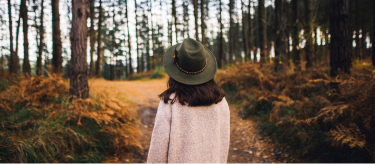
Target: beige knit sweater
{"points": [[184, 134]]}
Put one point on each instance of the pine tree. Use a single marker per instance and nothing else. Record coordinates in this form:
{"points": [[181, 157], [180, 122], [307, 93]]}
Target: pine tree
{"points": [[280, 44], [92, 37], [244, 33], [79, 81], [203, 24], [99, 47], [231, 32], [295, 35], [251, 33], [339, 30], [309, 7], [57, 45], [262, 31], [41, 42], [26, 63], [196, 19]]}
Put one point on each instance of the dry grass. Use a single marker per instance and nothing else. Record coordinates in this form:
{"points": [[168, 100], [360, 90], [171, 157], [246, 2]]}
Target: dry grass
{"points": [[40, 124], [307, 104]]}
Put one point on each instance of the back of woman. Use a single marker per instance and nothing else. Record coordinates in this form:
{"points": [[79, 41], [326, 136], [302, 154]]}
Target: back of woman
{"points": [[193, 121]]}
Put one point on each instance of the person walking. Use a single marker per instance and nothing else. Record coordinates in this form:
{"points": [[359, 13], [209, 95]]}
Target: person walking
{"points": [[192, 123]]}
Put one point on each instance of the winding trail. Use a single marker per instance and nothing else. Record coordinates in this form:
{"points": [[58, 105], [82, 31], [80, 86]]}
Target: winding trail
{"points": [[246, 145]]}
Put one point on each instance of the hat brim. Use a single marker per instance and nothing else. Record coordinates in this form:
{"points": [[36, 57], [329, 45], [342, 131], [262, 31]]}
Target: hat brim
{"points": [[191, 79]]}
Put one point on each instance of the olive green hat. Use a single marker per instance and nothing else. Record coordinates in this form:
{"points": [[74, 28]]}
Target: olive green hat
{"points": [[190, 62]]}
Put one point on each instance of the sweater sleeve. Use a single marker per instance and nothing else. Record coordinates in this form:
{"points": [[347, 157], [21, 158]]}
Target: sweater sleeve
{"points": [[158, 152]]}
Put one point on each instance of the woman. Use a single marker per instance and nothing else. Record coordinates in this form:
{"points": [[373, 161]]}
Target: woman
{"points": [[192, 123]]}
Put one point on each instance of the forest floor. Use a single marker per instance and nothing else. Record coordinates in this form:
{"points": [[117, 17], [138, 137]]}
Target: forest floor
{"points": [[246, 145]]}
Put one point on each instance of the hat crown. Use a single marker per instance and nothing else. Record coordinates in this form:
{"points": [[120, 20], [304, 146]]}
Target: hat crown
{"points": [[191, 55]]}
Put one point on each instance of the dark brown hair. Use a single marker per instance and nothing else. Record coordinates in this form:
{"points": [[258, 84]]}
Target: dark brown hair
{"points": [[204, 94]]}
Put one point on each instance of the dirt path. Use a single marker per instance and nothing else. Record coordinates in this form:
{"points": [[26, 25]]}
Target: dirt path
{"points": [[246, 145]]}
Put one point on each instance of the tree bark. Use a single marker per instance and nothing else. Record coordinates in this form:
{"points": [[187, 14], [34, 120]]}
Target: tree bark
{"points": [[295, 36], [175, 18], [57, 47], [26, 62], [339, 30], [13, 63], [251, 34], [221, 45], [357, 28], [231, 32], [309, 7], [136, 38], [244, 33], [79, 81], [99, 48], [92, 38], [41, 42], [280, 44], [129, 42], [196, 19], [373, 39], [203, 24], [262, 32]]}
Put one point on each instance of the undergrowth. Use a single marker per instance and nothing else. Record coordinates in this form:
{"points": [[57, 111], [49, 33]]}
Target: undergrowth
{"points": [[158, 73], [323, 119], [40, 124]]}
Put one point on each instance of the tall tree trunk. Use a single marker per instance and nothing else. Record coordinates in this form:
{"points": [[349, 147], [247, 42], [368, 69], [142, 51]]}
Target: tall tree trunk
{"points": [[13, 68], [244, 33], [203, 24], [357, 28], [231, 32], [129, 42], [373, 39], [280, 44], [79, 81], [295, 35], [317, 54], [99, 48], [26, 62], [92, 37], [41, 42], [175, 18], [309, 6], [154, 56], [196, 19], [113, 42], [251, 33], [363, 40], [57, 47], [262, 32], [339, 29], [221, 45], [136, 38]]}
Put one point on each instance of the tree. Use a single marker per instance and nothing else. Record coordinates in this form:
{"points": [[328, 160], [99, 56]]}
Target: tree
{"points": [[57, 47], [373, 42], [174, 15], [136, 38], [41, 42], [13, 62], [251, 33], [262, 31], [79, 81], [26, 63], [280, 44], [129, 45], [99, 48], [196, 19], [221, 45], [92, 37], [231, 32], [244, 33], [203, 24], [339, 30], [310, 53], [295, 35]]}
